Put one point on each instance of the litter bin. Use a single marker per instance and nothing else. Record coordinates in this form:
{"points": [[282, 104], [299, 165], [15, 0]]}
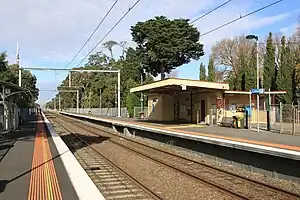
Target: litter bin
{"points": [[235, 122], [238, 122], [142, 115], [241, 122]]}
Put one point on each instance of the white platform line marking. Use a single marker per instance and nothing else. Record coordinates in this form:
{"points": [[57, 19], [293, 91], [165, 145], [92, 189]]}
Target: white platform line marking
{"points": [[83, 185]]}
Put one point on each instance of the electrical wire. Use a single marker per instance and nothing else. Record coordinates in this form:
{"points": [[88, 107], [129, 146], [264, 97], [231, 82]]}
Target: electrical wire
{"points": [[110, 9], [241, 17], [109, 32], [210, 11]]}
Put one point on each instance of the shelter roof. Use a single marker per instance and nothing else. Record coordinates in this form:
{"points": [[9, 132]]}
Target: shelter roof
{"points": [[176, 84], [13, 89]]}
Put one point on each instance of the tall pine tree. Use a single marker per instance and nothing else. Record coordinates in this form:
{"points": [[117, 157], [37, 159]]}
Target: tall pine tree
{"points": [[211, 70], [202, 72], [270, 71], [285, 73]]}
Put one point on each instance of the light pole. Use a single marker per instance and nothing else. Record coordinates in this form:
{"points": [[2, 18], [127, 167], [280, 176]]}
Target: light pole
{"points": [[251, 37]]}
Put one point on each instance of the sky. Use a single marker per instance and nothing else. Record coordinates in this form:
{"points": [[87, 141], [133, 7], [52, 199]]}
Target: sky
{"points": [[50, 32]]}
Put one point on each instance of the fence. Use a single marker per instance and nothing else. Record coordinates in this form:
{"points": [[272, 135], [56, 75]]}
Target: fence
{"points": [[138, 110], [109, 112], [284, 118]]}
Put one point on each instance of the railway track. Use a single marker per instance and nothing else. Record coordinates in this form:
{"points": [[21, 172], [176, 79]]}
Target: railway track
{"points": [[229, 183], [111, 180]]}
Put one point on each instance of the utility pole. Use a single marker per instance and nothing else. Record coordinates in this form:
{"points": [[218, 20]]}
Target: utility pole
{"points": [[18, 63], [142, 98], [77, 103], [100, 101], [70, 79], [90, 99], [257, 82], [59, 102]]}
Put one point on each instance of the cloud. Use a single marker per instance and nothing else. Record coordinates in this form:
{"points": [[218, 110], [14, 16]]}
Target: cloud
{"points": [[50, 32]]}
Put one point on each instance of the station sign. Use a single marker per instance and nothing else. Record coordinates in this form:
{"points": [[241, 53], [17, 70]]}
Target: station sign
{"points": [[257, 91]]}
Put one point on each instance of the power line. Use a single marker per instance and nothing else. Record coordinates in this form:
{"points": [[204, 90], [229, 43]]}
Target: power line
{"points": [[210, 11], [109, 32], [241, 17], [110, 9]]}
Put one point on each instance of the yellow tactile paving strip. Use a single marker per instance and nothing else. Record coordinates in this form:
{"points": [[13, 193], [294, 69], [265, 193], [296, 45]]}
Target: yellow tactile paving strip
{"points": [[43, 182]]}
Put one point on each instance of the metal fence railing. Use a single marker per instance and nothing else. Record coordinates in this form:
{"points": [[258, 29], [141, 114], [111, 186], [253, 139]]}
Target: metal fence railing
{"points": [[284, 118], [109, 112]]}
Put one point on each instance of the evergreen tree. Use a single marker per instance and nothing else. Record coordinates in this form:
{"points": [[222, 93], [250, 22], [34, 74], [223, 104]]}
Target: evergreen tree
{"points": [[285, 73], [202, 75], [211, 70], [270, 72]]}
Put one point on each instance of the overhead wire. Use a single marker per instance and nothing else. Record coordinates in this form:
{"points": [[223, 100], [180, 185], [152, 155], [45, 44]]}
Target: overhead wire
{"points": [[205, 14], [92, 34], [241, 17], [126, 13]]}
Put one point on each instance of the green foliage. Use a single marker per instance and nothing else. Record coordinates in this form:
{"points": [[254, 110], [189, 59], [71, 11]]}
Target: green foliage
{"points": [[202, 73], [9, 73], [109, 45], [165, 44], [211, 70], [269, 72], [91, 83], [285, 73], [132, 99]]}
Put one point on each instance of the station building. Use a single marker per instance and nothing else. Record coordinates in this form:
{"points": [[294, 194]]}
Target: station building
{"points": [[196, 101]]}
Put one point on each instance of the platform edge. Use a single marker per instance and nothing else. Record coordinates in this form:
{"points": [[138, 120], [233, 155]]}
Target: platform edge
{"points": [[83, 185]]}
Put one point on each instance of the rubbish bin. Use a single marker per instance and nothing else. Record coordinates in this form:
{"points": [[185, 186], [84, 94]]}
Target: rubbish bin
{"points": [[142, 115], [241, 122], [235, 122]]}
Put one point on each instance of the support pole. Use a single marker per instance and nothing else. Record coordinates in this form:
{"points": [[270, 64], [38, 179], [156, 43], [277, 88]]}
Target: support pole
{"points": [[54, 103], [70, 79], [77, 103], [257, 83], [280, 113], [59, 102], [18, 63], [100, 101], [257, 114], [119, 93], [293, 119], [250, 110], [20, 77], [268, 112]]}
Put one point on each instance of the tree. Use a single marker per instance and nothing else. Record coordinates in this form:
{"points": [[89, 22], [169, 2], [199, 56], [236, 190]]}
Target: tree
{"points": [[202, 75], [109, 45], [211, 70], [166, 44], [269, 71], [123, 45], [236, 59], [173, 74], [285, 73], [132, 99]]}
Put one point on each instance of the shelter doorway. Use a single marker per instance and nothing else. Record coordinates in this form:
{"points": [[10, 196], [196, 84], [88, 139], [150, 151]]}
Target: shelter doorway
{"points": [[203, 111]]}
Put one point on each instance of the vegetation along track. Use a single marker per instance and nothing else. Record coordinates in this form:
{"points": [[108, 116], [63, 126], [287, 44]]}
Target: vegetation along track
{"points": [[230, 183]]}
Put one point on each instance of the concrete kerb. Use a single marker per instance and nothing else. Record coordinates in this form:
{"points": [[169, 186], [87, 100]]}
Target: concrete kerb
{"points": [[83, 185], [285, 153]]}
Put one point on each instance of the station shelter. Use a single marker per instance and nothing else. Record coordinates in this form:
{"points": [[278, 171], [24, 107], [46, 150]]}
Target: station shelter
{"points": [[9, 111], [194, 101]]}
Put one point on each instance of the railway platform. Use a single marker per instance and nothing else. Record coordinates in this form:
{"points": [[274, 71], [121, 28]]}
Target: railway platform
{"points": [[275, 144], [33, 167]]}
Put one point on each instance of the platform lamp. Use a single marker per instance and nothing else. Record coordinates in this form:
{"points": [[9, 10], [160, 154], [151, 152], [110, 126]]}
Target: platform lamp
{"points": [[251, 37]]}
